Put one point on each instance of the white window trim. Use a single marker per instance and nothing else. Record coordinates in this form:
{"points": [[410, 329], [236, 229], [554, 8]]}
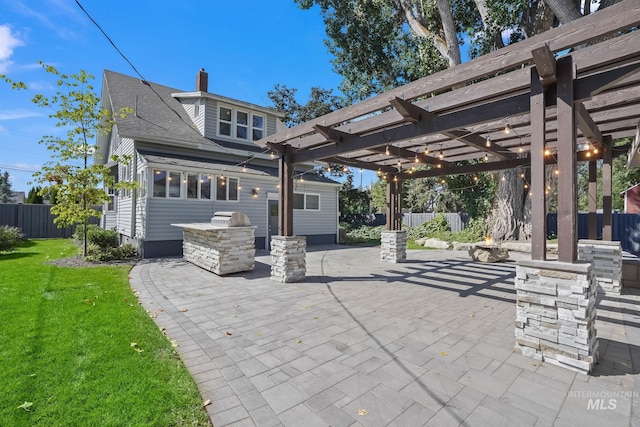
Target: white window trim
{"points": [[233, 124], [305, 201], [167, 184], [226, 178]]}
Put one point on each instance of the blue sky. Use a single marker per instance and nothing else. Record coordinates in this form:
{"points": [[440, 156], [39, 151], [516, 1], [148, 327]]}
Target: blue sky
{"points": [[246, 47]]}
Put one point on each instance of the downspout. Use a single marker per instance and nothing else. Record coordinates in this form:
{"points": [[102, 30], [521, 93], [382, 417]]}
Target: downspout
{"points": [[134, 192]]}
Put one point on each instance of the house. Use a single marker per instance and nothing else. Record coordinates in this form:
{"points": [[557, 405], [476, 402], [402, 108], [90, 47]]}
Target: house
{"points": [[192, 154], [631, 199]]}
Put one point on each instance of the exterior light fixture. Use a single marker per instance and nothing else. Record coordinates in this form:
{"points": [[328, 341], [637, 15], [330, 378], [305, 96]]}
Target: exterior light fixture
{"points": [[272, 155], [254, 192], [257, 188], [244, 167]]}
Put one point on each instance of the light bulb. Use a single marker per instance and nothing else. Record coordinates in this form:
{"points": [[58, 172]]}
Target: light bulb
{"points": [[386, 151], [488, 143]]}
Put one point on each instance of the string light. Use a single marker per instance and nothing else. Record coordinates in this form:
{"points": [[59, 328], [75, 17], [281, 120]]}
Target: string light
{"points": [[526, 186], [345, 169], [386, 151], [441, 155], [379, 172], [244, 167], [507, 129], [475, 178], [557, 171], [488, 143], [504, 178], [522, 175], [416, 159], [272, 155], [588, 154], [395, 178], [439, 166], [426, 149], [547, 152], [486, 157]]}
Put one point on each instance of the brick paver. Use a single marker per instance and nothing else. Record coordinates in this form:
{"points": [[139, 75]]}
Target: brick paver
{"points": [[362, 342]]}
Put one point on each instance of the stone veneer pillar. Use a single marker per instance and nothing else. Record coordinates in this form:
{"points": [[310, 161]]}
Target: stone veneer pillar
{"points": [[393, 246], [606, 258], [288, 263], [556, 313]]}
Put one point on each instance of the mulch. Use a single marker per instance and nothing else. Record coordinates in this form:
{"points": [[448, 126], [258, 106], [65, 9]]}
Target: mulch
{"points": [[77, 261]]}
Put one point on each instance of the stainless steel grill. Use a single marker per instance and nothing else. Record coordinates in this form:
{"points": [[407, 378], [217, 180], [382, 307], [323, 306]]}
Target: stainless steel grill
{"points": [[230, 219]]}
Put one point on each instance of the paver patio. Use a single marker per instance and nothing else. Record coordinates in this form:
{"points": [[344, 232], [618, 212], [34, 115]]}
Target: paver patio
{"points": [[362, 342]]}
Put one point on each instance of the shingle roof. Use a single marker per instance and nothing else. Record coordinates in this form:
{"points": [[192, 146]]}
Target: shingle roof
{"points": [[157, 115]]}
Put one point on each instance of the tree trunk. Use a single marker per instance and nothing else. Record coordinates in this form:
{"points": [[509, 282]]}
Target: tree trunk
{"points": [[565, 11], [449, 51], [507, 216], [481, 5], [450, 35]]}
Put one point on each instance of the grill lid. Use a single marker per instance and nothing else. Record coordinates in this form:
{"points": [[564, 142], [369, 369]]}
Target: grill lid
{"points": [[230, 219]]}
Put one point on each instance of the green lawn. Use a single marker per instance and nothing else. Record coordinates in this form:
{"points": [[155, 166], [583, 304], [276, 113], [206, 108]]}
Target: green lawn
{"points": [[66, 339]]}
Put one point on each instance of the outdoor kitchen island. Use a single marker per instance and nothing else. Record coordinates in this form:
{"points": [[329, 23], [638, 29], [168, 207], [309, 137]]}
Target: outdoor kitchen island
{"points": [[224, 246]]}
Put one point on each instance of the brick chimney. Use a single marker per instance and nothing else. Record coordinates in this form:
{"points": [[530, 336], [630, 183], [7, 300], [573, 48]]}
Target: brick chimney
{"points": [[202, 81]]}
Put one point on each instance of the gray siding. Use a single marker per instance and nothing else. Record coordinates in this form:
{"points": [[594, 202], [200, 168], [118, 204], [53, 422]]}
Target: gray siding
{"points": [[324, 221], [211, 118], [164, 212], [189, 106], [125, 204], [271, 124]]}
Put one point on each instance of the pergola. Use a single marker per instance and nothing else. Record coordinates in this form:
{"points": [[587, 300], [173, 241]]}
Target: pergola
{"points": [[568, 91]]}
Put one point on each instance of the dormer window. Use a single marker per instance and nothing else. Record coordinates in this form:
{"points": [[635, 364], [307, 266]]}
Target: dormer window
{"points": [[240, 124]]}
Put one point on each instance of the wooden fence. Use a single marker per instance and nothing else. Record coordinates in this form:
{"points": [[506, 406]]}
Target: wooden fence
{"points": [[35, 221]]}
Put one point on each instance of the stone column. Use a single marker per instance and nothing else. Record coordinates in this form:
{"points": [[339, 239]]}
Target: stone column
{"points": [[606, 258], [393, 246], [288, 263], [556, 313]]}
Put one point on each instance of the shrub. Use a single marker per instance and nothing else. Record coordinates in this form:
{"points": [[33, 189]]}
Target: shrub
{"points": [[474, 231], [437, 227], [9, 238], [363, 234], [103, 238], [79, 233], [97, 254]]}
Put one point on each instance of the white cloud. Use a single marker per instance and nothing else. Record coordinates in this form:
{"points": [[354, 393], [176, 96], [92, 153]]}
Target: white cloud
{"points": [[19, 113], [8, 42]]}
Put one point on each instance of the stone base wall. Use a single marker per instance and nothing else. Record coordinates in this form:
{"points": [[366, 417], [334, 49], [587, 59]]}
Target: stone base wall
{"points": [[393, 246], [606, 258], [288, 258], [556, 313], [222, 251]]}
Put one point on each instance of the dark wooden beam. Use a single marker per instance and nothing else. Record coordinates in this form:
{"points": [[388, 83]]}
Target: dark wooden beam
{"points": [[538, 205], [331, 134], [593, 200], [403, 153], [468, 169], [587, 125], [477, 141], [567, 180], [285, 202], [360, 164], [545, 64], [409, 111], [607, 220]]}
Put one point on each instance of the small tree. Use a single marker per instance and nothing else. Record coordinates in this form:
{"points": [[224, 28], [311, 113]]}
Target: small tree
{"points": [[35, 197], [76, 182], [6, 195]]}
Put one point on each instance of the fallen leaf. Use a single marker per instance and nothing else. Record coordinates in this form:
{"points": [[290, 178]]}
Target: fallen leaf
{"points": [[298, 341], [94, 303], [184, 310], [362, 412], [133, 344], [26, 405], [87, 301], [259, 334], [234, 315], [153, 315], [228, 333], [139, 350], [443, 353], [237, 305], [472, 315], [534, 364], [32, 375], [305, 306], [315, 317], [207, 402], [174, 343]]}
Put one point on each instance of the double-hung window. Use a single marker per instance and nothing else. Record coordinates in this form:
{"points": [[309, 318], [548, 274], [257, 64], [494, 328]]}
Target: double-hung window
{"points": [[306, 201], [240, 124], [227, 189]]}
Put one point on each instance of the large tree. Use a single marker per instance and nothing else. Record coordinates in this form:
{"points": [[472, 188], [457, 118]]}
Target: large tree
{"points": [[77, 182]]}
